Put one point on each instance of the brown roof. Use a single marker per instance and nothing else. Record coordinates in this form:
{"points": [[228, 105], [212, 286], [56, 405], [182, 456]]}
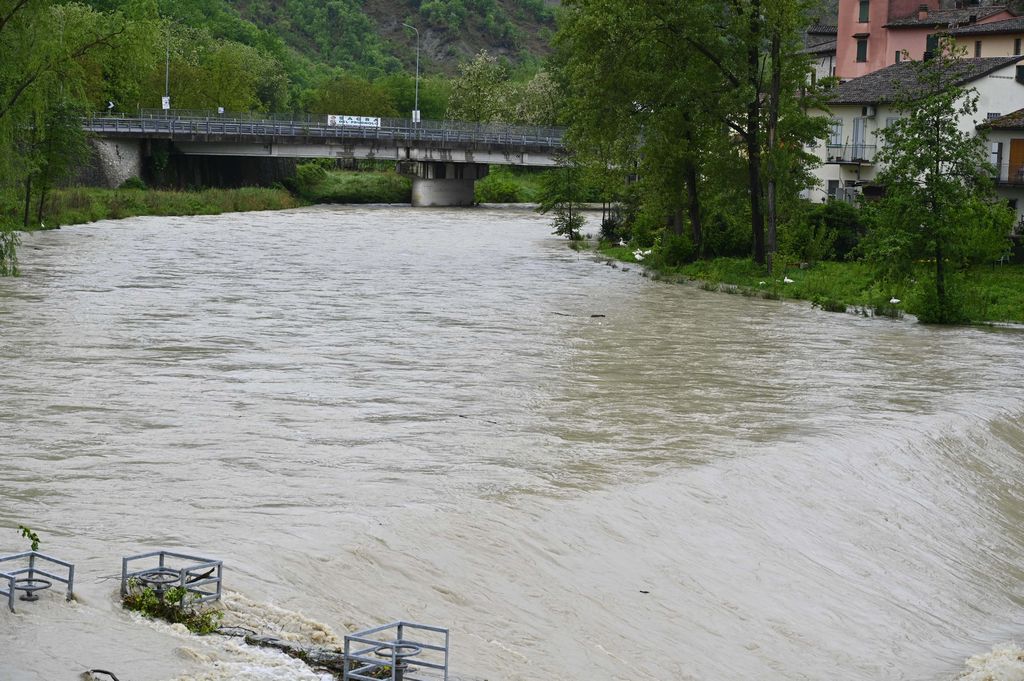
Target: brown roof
{"points": [[1014, 25], [888, 84], [822, 29], [821, 48], [946, 17], [1011, 121]]}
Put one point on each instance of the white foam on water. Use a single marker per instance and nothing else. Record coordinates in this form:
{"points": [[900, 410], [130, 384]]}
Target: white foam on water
{"points": [[239, 662], [1003, 663], [264, 618]]}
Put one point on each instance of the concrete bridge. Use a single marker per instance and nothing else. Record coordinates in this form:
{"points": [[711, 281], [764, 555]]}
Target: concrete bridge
{"points": [[443, 158]]}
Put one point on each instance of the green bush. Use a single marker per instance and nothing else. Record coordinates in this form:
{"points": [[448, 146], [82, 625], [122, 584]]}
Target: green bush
{"points": [[498, 188], [676, 249], [133, 183], [925, 302], [174, 605]]}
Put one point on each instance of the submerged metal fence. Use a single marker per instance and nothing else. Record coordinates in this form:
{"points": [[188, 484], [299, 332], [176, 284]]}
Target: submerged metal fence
{"points": [[388, 647], [35, 578], [170, 570]]}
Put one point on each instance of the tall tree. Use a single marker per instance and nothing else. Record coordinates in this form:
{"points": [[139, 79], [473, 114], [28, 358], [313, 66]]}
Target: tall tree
{"points": [[939, 201], [48, 51], [693, 81]]}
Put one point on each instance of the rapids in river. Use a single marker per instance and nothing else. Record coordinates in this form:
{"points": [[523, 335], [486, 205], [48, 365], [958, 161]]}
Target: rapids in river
{"points": [[375, 413]]}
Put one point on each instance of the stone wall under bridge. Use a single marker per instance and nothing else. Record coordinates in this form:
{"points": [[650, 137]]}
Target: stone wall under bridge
{"points": [[159, 164]]}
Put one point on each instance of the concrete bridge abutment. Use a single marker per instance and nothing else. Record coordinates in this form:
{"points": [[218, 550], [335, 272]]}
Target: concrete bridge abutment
{"points": [[443, 184]]}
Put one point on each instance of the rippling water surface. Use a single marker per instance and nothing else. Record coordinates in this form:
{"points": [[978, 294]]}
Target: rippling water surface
{"points": [[381, 413]]}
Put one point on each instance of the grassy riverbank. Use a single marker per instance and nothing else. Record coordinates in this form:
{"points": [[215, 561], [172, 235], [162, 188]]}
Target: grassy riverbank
{"points": [[505, 184], [990, 294], [317, 183], [86, 204]]}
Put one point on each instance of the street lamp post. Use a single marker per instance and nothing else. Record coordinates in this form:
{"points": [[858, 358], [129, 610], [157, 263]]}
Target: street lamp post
{"points": [[416, 109], [166, 103]]}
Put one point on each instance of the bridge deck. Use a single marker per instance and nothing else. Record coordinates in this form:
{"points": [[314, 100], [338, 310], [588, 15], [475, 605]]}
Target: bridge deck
{"points": [[396, 132]]}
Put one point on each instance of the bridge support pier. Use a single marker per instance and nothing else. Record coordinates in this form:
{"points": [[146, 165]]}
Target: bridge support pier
{"points": [[112, 161], [440, 183]]}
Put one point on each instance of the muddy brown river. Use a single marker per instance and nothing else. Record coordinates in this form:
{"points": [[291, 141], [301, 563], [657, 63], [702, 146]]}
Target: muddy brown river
{"points": [[381, 413]]}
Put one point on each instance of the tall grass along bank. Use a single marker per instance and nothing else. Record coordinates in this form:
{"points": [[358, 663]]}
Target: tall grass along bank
{"points": [[988, 293], [80, 204]]}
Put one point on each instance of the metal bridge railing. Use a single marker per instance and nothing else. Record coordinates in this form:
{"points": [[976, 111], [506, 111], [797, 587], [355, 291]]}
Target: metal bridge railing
{"points": [[192, 122]]}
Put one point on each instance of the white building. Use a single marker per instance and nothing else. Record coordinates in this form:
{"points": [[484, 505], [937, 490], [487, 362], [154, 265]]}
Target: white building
{"points": [[862, 107], [820, 46], [1006, 144]]}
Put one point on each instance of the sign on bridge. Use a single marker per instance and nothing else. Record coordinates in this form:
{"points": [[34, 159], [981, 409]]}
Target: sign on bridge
{"points": [[354, 121]]}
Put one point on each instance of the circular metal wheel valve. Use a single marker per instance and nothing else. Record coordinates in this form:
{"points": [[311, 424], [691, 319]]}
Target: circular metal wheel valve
{"points": [[402, 650], [31, 586], [159, 578]]}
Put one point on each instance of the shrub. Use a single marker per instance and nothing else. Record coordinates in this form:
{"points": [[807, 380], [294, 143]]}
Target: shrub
{"points": [[174, 605], [133, 183], [676, 249], [925, 302], [498, 188]]}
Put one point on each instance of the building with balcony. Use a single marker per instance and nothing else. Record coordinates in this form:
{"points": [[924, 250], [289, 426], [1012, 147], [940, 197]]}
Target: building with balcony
{"points": [[862, 108], [1005, 136]]}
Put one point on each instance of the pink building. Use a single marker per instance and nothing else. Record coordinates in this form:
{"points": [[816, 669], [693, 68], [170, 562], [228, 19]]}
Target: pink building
{"points": [[873, 34]]}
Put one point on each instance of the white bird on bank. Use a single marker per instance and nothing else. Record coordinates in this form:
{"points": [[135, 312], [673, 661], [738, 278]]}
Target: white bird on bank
{"points": [[762, 283], [894, 301], [622, 242], [787, 280]]}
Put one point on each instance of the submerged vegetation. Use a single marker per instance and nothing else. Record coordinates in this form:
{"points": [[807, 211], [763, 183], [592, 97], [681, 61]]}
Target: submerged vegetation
{"points": [[174, 605]]}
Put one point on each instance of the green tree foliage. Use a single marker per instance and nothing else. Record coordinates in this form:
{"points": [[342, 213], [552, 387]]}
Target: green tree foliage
{"points": [[350, 95], [52, 58], [562, 193], [206, 73], [486, 91], [939, 202], [480, 91], [686, 95], [401, 88]]}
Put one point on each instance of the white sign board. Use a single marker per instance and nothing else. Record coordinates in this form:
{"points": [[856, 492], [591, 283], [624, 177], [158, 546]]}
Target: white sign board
{"points": [[416, 116], [165, 102], [354, 121]]}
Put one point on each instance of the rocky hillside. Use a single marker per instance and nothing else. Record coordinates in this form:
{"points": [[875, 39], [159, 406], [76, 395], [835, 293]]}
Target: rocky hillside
{"points": [[367, 35]]}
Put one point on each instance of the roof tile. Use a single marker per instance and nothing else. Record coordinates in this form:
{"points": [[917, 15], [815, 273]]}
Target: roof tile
{"points": [[886, 85]]}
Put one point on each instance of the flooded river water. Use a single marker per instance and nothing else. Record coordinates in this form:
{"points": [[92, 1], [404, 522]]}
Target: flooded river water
{"points": [[382, 413]]}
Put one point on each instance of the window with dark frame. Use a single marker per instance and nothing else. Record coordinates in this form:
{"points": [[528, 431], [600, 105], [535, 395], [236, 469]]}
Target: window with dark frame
{"points": [[1016, 46], [862, 49], [977, 48], [864, 11]]}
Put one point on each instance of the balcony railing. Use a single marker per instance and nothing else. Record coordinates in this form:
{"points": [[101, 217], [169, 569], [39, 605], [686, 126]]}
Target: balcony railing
{"points": [[850, 153], [1010, 175]]}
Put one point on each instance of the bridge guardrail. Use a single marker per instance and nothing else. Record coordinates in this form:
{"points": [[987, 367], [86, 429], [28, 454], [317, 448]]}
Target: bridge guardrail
{"points": [[190, 123]]}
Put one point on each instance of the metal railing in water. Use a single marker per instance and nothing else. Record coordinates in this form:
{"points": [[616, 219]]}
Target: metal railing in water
{"points": [[32, 571], [201, 122], [389, 649]]}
